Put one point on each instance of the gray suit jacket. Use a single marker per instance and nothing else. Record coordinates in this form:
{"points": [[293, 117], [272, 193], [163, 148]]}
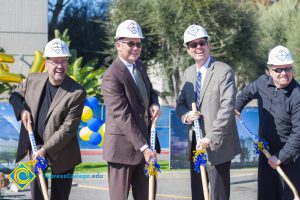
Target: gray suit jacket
{"points": [[217, 108], [125, 129], [61, 124]]}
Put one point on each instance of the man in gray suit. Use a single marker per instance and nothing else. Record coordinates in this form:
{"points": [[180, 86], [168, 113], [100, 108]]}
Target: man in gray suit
{"points": [[130, 104], [52, 102], [211, 85]]}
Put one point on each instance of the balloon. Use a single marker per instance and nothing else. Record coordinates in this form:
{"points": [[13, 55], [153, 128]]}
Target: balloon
{"points": [[92, 102], [4, 67], [73, 77], [9, 77], [86, 114], [6, 58], [85, 133], [94, 124], [102, 131], [38, 64], [95, 138]]}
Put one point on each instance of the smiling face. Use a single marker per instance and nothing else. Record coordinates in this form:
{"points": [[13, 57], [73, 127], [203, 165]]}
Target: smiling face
{"points": [[282, 75], [129, 49], [199, 50], [57, 69]]}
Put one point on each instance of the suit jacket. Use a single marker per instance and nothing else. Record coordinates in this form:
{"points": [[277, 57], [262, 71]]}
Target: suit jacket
{"points": [[217, 108], [61, 123], [125, 128]]}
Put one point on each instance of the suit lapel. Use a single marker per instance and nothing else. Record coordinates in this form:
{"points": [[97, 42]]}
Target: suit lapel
{"points": [[37, 97], [193, 79], [61, 92], [209, 74]]}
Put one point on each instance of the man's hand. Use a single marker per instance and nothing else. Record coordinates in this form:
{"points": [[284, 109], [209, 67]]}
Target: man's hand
{"points": [[148, 155], [203, 143], [154, 112], [274, 162], [26, 118], [237, 114], [192, 116], [39, 153]]}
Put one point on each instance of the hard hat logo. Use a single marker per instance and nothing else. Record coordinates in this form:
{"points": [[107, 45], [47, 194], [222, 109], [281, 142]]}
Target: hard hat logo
{"points": [[133, 28], [57, 47], [193, 30], [281, 55]]}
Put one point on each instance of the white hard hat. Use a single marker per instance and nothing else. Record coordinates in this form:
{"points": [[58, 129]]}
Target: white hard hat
{"points": [[194, 32], [280, 55], [129, 29], [56, 48]]}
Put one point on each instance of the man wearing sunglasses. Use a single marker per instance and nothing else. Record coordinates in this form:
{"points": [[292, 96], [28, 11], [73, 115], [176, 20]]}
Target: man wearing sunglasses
{"points": [[278, 96], [131, 105], [211, 85]]}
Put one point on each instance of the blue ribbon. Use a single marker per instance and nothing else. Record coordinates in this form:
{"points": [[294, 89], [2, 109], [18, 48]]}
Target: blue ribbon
{"points": [[199, 159], [41, 163], [151, 169], [260, 145]]}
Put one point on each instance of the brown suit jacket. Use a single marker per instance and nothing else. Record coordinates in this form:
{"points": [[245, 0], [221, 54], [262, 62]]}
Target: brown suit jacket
{"points": [[61, 124], [125, 129]]}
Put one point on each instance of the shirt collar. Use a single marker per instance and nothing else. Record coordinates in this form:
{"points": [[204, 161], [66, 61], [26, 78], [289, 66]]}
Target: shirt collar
{"points": [[128, 64], [206, 65]]}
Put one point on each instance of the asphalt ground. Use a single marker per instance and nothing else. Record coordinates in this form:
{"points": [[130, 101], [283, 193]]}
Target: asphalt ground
{"points": [[172, 185]]}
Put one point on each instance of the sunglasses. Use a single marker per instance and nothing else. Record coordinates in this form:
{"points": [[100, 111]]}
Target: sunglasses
{"points": [[279, 70], [133, 44], [56, 63], [193, 45]]}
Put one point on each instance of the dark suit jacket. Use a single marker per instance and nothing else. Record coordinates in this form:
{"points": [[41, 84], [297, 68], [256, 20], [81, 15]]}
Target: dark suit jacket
{"points": [[61, 124], [217, 103], [125, 129]]}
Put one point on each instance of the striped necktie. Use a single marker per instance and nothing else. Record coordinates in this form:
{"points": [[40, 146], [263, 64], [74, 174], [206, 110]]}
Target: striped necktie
{"points": [[198, 89]]}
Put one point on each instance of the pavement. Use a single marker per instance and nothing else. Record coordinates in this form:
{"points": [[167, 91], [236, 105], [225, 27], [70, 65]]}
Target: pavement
{"points": [[172, 185]]}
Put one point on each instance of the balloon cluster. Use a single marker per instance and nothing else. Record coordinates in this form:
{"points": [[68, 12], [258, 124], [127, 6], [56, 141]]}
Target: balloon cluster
{"points": [[94, 131]]}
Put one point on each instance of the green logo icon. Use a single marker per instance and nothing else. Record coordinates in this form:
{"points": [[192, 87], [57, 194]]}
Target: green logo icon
{"points": [[22, 176]]}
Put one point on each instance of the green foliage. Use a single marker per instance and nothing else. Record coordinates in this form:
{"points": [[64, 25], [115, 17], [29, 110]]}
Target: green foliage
{"points": [[87, 75]]}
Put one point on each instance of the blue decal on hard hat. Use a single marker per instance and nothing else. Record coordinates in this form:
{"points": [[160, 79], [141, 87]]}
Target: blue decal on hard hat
{"points": [[133, 27], [193, 30], [282, 55], [57, 47]]}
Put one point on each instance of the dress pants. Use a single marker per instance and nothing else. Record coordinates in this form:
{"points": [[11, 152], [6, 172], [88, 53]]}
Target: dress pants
{"points": [[270, 183], [218, 177], [60, 186], [121, 177]]}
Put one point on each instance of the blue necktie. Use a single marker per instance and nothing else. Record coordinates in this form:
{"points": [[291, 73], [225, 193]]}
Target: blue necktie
{"points": [[198, 89]]}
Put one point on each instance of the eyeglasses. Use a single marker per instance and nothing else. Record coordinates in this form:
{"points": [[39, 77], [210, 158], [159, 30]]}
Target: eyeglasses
{"points": [[279, 70], [133, 44], [193, 45], [56, 63]]}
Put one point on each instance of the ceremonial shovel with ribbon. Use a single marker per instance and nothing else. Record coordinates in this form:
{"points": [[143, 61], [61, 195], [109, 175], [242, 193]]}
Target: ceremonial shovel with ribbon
{"points": [[262, 146], [40, 164], [199, 157], [151, 170]]}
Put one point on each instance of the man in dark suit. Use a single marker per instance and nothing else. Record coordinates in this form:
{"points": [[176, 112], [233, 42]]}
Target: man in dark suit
{"points": [[211, 85], [52, 102], [130, 104]]}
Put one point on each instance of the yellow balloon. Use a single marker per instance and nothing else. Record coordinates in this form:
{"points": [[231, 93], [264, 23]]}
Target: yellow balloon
{"points": [[6, 58], [7, 77], [85, 133], [73, 77], [86, 114], [4, 67], [101, 131], [38, 64]]}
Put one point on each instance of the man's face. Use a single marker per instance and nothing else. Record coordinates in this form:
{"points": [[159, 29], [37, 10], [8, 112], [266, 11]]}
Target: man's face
{"points": [[129, 49], [281, 74], [57, 69], [199, 50]]}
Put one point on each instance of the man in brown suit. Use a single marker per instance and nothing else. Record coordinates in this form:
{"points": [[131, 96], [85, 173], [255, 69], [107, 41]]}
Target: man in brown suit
{"points": [[130, 104], [52, 102]]}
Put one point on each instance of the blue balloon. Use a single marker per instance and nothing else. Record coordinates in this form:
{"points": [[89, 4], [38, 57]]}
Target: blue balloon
{"points": [[91, 102], [95, 138], [94, 124]]}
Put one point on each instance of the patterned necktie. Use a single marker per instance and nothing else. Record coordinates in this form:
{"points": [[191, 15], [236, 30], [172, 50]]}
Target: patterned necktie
{"points": [[198, 89]]}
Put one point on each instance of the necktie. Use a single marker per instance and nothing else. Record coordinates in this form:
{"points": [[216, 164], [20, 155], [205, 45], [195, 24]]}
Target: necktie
{"points": [[198, 89], [141, 86]]}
